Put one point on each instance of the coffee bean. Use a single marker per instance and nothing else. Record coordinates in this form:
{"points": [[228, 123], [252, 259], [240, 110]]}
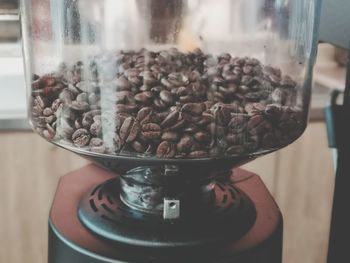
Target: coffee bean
{"points": [[170, 136], [122, 83], [190, 128], [238, 123], [50, 119], [185, 144], [236, 149], [273, 112], [176, 126], [166, 150], [171, 119], [47, 112], [81, 137], [48, 134], [66, 96], [194, 109], [96, 129], [167, 97], [159, 104], [222, 114], [144, 97], [119, 142], [144, 115], [288, 82], [236, 138], [80, 105], [198, 154], [82, 97], [139, 147], [202, 136], [205, 119], [97, 145], [254, 108], [148, 78], [151, 131], [134, 132], [55, 105], [126, 108], [126, 128]]}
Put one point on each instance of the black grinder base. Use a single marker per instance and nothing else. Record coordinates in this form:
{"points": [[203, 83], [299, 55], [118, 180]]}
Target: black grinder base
{"points": [[71, 241]]}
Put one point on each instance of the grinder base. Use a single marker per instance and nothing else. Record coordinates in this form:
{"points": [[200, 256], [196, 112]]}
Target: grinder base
{"points": [[70, 241]]}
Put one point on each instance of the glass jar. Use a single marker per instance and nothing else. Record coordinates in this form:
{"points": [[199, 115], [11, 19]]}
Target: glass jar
{"points": [[170, 81]]}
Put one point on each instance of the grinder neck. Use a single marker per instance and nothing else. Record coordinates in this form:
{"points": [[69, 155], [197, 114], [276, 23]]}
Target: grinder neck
{"points": [[170, 190]]}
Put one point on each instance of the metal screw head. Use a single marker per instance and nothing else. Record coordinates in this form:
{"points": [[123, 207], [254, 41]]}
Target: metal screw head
{"points": [[171, 209]]}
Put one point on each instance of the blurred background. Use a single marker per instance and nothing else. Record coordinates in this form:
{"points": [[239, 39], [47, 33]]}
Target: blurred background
{"points": [[300, 177]]}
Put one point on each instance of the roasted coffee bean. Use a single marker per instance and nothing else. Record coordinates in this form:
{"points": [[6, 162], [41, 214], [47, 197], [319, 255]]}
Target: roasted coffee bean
{"points": [[280, 96], [64, 129], [123, 96], [166, 150], [185, 143], [144, 97], [236, 138], [258, 125], [171, 119], [66, 96], [86, 86], [82, 97], [50, 119], [94, 99], [80, 105], [195, 109], [238, 123], [97, 145], [96, 129], [222, 114], [273, 112], [119, 143], [198, 154], [126, 108], [190, 128], [254, 108], [288, 82], [205, 119], [134, 132], [202, 136], [159, 104], [55, 105], [148, 78], [170, 136], [139, 147], [236, 149], [189, 118], [144, 115], [122, 83], [87, 120], [151, 131], [176, 126], [81, 137], [129, 130], [48, 135], [167, 97], [47, 112]]}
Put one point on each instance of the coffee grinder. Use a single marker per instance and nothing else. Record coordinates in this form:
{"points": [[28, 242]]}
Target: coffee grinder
{"points": [[167, 99]]}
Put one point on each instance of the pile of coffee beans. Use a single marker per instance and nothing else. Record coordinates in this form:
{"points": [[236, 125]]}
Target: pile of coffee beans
{"points": [[167, 104]]}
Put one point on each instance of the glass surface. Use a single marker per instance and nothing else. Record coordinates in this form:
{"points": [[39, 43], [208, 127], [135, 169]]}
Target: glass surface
{"points": [[171, 79]]}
